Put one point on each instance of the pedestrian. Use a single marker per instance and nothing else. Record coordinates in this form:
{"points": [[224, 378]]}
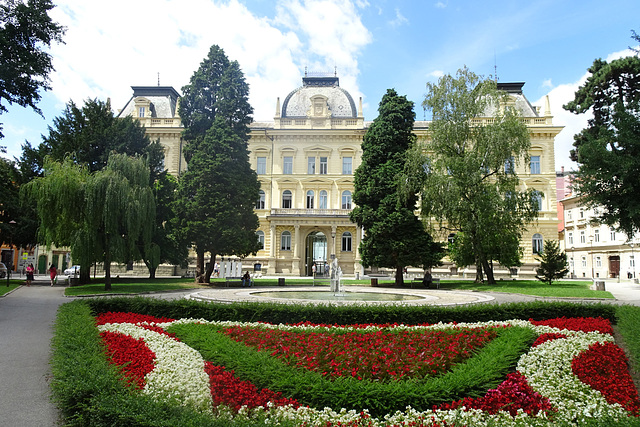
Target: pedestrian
{"points": [[246, 280], [30, 271], [313, 269], [53, 273]]}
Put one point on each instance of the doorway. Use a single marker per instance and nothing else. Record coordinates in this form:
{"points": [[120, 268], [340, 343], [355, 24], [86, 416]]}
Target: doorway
{"points": [[316, 253], [614, 266]]}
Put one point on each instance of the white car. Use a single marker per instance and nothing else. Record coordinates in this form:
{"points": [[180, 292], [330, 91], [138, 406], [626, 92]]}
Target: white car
{"points": [[74, 270], [3, 270]]}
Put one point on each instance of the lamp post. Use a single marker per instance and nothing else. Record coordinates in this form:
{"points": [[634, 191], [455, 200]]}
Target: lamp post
{"points": [[633, 260], [591, 252], [10, 264], [573, 260]]}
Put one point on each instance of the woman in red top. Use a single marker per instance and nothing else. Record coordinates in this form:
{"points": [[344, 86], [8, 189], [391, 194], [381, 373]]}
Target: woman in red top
{"points": [[53, 272]]}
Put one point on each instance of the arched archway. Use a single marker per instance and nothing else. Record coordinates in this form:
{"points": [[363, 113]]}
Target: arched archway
{"points": [[315, 252]]}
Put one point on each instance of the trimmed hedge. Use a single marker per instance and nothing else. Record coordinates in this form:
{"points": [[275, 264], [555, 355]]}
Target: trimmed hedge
{"points": [[348, 315], [88, 390]]}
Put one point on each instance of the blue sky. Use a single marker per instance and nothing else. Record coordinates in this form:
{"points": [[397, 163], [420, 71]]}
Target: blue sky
{"points": [[373, 44]]}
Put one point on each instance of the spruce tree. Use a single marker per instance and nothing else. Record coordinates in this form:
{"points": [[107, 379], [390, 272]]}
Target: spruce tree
{"points": [[553, 263]]}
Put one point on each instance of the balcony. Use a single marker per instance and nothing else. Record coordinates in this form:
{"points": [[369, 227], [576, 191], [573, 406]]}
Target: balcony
{"points": [[327, 213]]}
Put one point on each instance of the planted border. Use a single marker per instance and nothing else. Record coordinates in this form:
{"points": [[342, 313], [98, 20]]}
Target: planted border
{"points": [[483, 371]]}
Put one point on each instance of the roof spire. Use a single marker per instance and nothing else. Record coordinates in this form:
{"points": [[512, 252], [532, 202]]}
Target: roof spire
{"points": [[158, 78]]}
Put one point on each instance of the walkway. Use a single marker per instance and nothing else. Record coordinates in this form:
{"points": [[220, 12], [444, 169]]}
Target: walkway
{"points": [[27, 316]]}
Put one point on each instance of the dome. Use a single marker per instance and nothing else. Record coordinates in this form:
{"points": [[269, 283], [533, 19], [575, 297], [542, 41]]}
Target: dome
{"points": [[319, 96]]}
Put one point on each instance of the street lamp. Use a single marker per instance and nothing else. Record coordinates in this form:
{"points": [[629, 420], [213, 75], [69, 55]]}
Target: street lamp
{"points": [[591, 252], [633, 260], [573, 261], [10, 264]]}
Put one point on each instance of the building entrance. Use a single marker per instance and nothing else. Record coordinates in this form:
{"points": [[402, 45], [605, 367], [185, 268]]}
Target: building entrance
{"points": [[316, 253]]}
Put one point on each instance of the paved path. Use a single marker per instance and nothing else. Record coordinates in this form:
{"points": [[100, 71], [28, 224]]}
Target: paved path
{"points": [[26, 327]]}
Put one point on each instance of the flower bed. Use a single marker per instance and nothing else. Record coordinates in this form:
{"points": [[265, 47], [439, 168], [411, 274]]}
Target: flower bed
{"points": [[573, 372]]}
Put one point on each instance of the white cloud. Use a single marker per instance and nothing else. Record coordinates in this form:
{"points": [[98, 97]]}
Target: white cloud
{"points": [[441, 5], [436, 73], [547, 83], [112, 46], [399, 20]]}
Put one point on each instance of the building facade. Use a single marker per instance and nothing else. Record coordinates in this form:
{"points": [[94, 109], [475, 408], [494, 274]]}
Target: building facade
{"points": [[305, 159], [595, 250]]}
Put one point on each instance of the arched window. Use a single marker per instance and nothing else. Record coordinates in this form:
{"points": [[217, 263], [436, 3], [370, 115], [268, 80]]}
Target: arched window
{"points": [[323, 200], [285, 241], [310, 197], [260, 202], [260, 235], [536, 243], [346, 242], [286, 199], [346, 199]]}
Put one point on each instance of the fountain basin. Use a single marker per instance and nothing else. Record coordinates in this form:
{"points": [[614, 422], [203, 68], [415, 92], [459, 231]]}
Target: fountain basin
{"points": [[333, 296]]}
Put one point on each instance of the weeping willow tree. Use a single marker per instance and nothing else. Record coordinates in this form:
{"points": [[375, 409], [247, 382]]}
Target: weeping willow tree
{"points": [[102, 216]]}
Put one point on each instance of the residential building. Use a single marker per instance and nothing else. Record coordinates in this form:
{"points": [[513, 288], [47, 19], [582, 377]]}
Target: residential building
{"points": [[595, 250]]}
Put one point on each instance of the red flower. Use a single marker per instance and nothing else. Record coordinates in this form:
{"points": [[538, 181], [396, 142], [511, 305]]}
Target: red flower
{"points": [[132, 355], [604, 367], [110, 317], [584, 324]]}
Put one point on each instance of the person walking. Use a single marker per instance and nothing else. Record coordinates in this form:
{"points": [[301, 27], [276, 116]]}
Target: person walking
{"points": [[30, 271], [53, 272]]}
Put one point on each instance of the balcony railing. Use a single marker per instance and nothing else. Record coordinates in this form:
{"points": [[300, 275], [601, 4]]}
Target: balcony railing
{"points": [[311, 212]]}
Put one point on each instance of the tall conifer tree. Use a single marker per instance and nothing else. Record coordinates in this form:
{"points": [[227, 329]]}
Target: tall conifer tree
{"points": [[394, 236], [219, 189]]}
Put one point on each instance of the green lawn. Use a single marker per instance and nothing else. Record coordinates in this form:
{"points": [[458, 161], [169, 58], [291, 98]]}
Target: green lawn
{"points": [[573, 289], [4, 289]]}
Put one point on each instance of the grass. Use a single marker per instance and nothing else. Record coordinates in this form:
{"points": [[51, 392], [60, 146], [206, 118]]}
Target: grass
{"points": [[132, 286], [4, 289], [562, 289]]}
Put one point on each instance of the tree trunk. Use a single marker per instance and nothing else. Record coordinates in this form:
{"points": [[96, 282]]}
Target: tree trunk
{"points": [[107, 268], [479, 274], [488, 269], [212, 263], [400, 276], [199, 265], [152, 273]]}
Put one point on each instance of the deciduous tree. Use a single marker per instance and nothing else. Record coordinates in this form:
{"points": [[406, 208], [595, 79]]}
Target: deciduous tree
{"points": [[394, 236], [470, 186], [26, 33]]}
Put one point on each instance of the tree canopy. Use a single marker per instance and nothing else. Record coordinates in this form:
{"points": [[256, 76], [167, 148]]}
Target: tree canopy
{"points": [[218, 191], [101, 215], [468, 169], [394, 236], [26, 33], [608, 149], [88, 134]]}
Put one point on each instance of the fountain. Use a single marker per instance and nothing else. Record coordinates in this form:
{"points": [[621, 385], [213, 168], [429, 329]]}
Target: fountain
{"points": [[336, 275]]}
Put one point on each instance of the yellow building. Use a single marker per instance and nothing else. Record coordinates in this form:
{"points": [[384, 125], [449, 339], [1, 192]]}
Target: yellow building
{"points": [[305, 159]]}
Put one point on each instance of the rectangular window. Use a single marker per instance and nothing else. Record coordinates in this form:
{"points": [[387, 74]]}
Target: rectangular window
{"points": [[262, 166], [569, 214], [584, 261], [287, 165], [323, 166], [613, 236], [598, 261], [311, 165], [596, 236], [571, 238], [286, 241], [141, 112], [347, 166], [632, 261], [509, 165], [582, 237], [535, 165]]}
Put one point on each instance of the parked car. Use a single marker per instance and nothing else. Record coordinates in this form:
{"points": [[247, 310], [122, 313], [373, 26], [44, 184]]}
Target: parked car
{"points": [[3, 270], [74, 270]]}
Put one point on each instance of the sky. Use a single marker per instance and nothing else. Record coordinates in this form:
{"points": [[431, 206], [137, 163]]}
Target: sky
{"points": [[373, 45]]}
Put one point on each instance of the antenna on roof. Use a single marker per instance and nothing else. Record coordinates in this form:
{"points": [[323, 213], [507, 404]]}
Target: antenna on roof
{"points": [[158, 79], [335, 71], [305, 71], [495, 66]]}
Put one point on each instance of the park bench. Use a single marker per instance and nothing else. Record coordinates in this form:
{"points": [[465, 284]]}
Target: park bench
{"points": [[235, 281], [417, 282]]}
